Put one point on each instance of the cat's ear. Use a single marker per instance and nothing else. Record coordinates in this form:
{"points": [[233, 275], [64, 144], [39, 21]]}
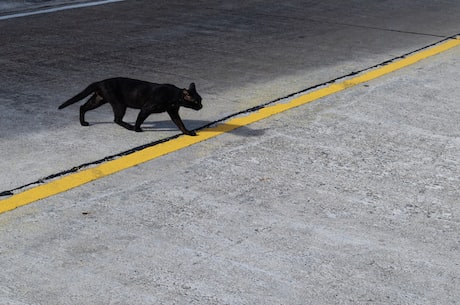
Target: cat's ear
{"points": [[186, 95], [192, 87]]}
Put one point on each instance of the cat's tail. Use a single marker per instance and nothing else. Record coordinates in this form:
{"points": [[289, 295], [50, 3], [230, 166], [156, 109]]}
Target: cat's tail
{"points": [[90, 89]]}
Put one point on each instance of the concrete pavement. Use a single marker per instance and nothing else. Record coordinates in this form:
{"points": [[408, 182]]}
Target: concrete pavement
{"points": [[352, 199]]}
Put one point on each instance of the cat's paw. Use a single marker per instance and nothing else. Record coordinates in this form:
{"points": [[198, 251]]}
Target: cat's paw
{"points": [[138, 129], [190, 133], [84, 123]]}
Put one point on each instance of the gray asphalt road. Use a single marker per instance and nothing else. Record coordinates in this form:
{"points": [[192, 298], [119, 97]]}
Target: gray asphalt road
{"points": [[352, 199], [17, 8], [239, 55]]}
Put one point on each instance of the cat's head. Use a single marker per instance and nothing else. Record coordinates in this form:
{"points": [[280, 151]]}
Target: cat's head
{"points": [[191, 98]]}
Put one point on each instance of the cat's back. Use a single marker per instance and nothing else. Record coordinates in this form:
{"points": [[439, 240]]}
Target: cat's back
{"points": [[129, 87], [128, 82]]}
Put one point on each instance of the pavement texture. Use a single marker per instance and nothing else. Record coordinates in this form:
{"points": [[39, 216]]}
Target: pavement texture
{"points": [[351, 199]]}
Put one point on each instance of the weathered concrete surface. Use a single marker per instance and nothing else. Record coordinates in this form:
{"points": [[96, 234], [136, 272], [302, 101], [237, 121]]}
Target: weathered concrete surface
{"points": [[353, 199]]}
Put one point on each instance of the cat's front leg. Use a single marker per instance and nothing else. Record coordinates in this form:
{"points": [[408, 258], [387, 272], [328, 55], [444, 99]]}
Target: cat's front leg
{"points": [[143, 114], [174, 114]]}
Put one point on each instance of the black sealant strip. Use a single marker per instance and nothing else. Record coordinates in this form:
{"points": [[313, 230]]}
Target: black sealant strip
{"points": [[249, 110]]}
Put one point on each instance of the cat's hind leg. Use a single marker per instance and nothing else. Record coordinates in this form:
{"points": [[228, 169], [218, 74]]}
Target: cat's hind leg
{"points": [[93, 102]]}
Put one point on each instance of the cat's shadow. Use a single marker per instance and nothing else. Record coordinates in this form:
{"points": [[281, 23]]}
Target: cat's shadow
{"points": [[239, 130], [199, 126]]}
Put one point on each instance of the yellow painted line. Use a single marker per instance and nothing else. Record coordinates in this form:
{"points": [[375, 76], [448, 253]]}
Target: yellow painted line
{"points": [[110, 167]]}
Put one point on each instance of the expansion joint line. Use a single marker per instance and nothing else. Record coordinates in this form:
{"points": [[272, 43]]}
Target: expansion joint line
{"points": [[85, 173]]}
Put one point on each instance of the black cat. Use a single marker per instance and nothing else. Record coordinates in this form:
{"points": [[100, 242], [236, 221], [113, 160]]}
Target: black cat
{"points": [[148, 97]]}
